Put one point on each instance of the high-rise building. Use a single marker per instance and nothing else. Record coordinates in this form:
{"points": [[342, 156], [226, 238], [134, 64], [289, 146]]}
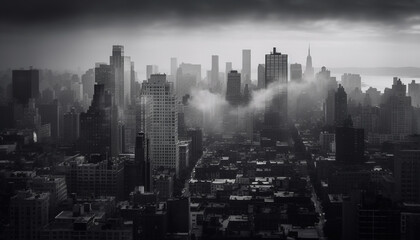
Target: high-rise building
{"points": [[185, 83], [50, 114], [103, 75], [309, 70], [350, 144], [161, 121], [142, 160], [174, 66], [276, 74], [414, 93], [191, 69], [406, 172], [246, 67], [151, 69], [233, 89], [351, 81], [214, 77], [88, 81], [71, 126], [296, 72], [261, 76], [196, 136], [400, 111], [28, 214], [329, 108], [121, 76], [340, 106], [25, 85], [95, 124], [228, 68]]}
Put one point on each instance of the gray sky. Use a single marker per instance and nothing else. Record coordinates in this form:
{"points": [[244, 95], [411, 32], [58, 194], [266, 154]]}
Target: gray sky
{"points": [[342, 33]]}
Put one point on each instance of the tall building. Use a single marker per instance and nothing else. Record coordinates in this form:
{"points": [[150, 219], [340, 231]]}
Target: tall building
{"points": [[174, 66], [276, 75], [296, 72], [214, 77], [161, 121], [406, 172], [351, 81], [71, 126], [340, 106], [192, 69], [121, 76], [50, 114], [151, 69], [329, 108], [350, 144], [25, 85], [228, 68], [246, 67], [309, 70], [103, 75], [261, 76], [400, 110], [142, 160], [414, 93], [196, 136], [233, 89], [95, 124], [28, 214], [185, 83], [88, 81]]}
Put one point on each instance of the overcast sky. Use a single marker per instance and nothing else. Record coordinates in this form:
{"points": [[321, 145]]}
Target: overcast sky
{"points": [[76, 34]]}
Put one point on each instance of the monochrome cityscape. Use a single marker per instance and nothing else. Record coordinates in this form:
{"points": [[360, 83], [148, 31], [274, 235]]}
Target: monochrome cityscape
{"points": [[271, 146]]}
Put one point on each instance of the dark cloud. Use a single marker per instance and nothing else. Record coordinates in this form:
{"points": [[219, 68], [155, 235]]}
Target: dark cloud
{"points": [[29, 13]]}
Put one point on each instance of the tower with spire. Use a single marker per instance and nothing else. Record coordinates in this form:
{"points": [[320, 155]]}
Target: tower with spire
{"points": [[309, 71]]}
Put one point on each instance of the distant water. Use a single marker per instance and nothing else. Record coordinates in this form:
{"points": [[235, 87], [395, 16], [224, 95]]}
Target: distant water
{"points": [[380, 82]]}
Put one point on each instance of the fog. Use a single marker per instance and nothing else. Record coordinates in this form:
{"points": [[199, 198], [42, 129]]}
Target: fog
{"points": [[74, 35]]}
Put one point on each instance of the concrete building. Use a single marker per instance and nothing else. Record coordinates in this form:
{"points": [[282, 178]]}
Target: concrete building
{"points": [[161, 121]]}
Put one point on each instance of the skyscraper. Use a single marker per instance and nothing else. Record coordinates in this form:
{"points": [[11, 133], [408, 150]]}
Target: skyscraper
{"points": [[95, 124], [233, 89], [406, 172], [174, 66], [276, 77], [296, 72], [161, 121], [261, 76], [398, 111], [151, 69], [350, 143], [340, 106], [246, 67], [25, 85], [228, 68], [116, 61], [214, 81], [143, 162], [351, 81], [71, 126], [329, 108], [309, 71]]}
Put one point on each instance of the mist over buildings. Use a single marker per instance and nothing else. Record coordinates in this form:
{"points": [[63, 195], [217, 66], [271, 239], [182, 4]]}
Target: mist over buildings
{"points": [[210, 119]]}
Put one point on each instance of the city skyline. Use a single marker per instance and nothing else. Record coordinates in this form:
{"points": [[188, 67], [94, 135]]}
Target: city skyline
{"points": [[337, 34]]}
